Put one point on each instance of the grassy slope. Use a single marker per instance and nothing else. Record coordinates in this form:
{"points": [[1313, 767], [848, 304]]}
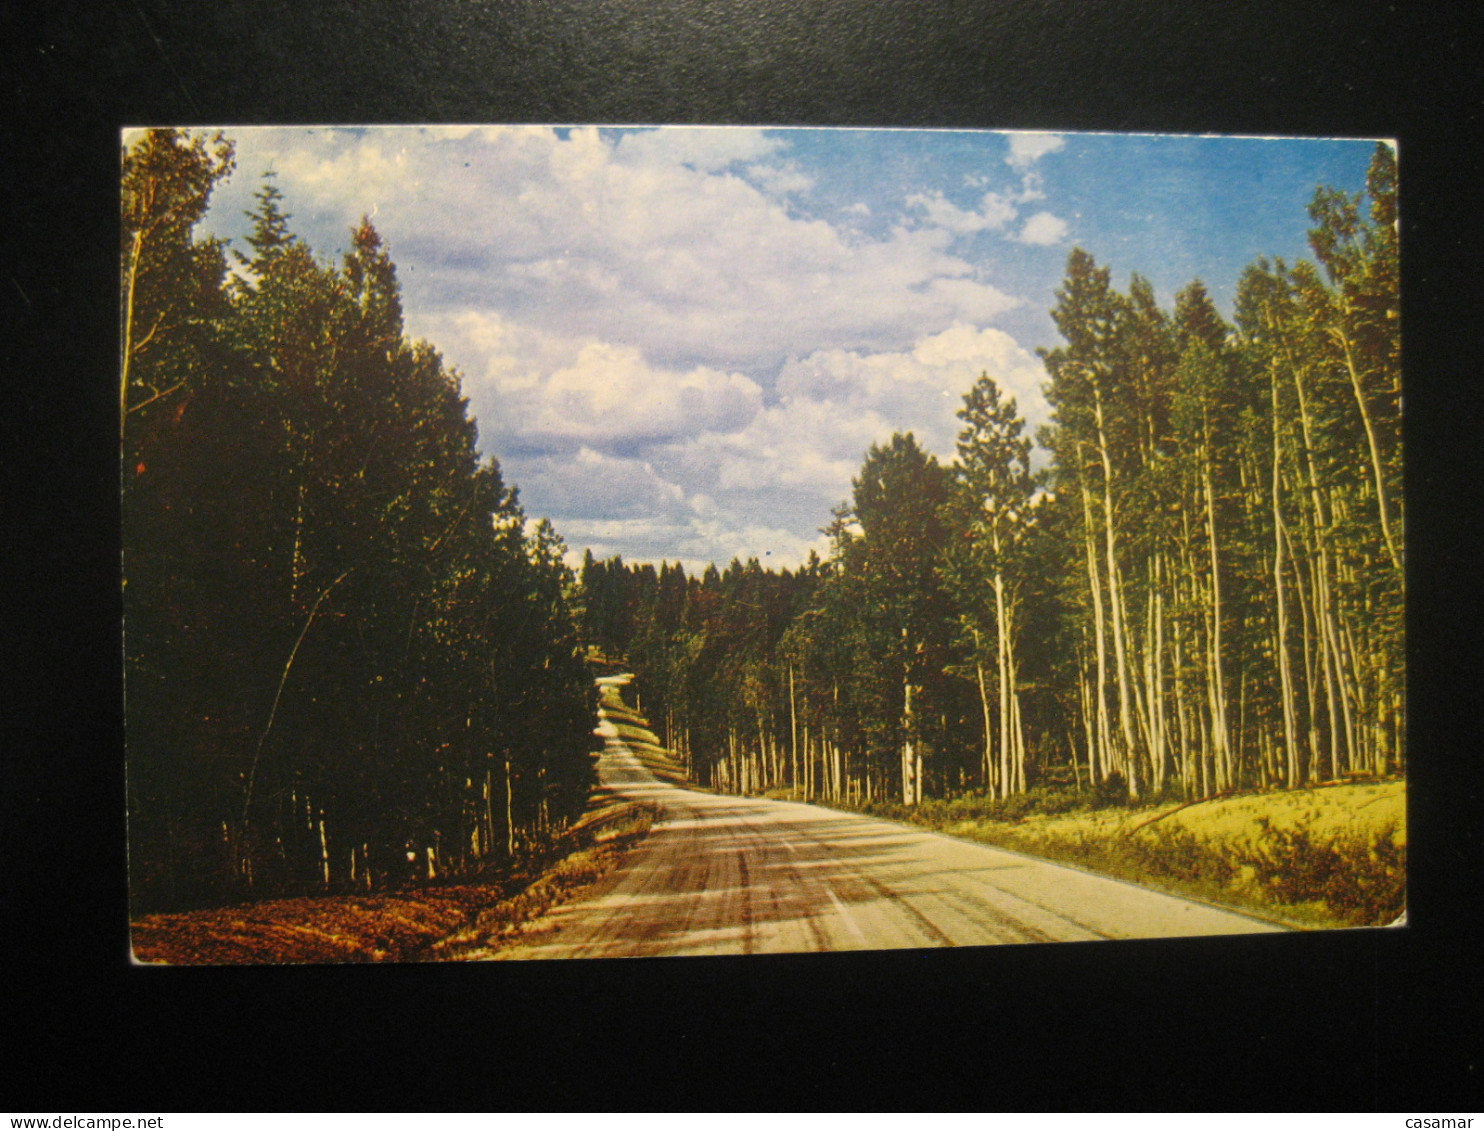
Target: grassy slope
{"points": [[1322, 857]]}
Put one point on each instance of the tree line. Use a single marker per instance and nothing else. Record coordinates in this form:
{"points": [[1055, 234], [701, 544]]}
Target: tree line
{"points": [[350, 658], [1201, 591]]}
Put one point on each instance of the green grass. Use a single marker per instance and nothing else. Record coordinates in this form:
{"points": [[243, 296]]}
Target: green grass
{"points": [[1333, 856]]}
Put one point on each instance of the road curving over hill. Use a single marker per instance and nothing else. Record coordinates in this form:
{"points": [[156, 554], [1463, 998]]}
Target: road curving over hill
{"points": [[734, 875]]}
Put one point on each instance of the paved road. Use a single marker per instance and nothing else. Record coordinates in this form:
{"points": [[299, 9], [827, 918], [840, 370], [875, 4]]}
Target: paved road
{"points": [[732, 875]]}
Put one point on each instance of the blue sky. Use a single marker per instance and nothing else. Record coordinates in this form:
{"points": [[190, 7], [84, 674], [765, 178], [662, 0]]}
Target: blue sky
{"points": [[680, 342]]}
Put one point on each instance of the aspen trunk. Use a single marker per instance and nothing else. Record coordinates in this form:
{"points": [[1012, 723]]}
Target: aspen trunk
{"points": [[136, 250], [989, 775], [509, 812], [1104, 738], [909, 752], [1006, 684], [1319, 524], [283, 677], [1084, 693], [1308, 625], [1188, 770], [1292, 769], [1220, 738], [324, 849], [1159, 741], [793, 729], [1115, 604], [1375, 451], [487, 844]]}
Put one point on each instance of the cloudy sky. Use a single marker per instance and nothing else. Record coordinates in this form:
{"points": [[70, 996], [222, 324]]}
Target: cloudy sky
{"points": [[680, 342]]}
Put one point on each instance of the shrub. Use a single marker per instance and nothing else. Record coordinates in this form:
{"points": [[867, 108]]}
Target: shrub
{"points": [[1063, 800], [939, 812], [1177, 852], [1362, 880], [1112, 790]]}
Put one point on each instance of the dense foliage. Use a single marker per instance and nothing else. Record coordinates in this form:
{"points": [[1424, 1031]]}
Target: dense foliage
{"points": [[349, 658], [1203, 592]]}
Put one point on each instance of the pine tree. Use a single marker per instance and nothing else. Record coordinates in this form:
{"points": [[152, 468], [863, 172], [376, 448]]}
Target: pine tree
{"points": [[898, 501], [348, 662]]}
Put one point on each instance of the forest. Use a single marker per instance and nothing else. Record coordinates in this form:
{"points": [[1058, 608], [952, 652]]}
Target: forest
{"points": [[1201, 591], [350, 658], [352, 661]]}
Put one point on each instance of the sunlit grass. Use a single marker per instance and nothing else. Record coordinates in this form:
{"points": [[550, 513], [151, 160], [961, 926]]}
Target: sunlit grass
{"points": [[1322, 857]]}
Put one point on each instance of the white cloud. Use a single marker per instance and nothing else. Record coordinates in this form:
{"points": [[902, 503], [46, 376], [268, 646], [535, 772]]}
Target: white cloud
{"points": [[667, 360], [963, 349], [921, 388], [1028, 148], [695, 543], [374, 168], [997, 211], [994, 212], [627, 457], [544, 390], [1042, 229], [782, 180], [492, 351], [586, 238], [594, 486], [696, 457], [772, 545], [709, 149], [609, 393], [637, 539], [795, 459]]}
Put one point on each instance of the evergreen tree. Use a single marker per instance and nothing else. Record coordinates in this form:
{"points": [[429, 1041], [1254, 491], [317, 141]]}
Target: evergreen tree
{"points": [[898, 500], [349, 663]]}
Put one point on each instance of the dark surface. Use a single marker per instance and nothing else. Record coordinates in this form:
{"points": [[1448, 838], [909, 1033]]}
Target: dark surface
{"points": [[1343, 1020]]}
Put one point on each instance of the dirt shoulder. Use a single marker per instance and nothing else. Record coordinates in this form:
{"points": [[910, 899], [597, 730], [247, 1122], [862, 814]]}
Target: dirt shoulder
{"points": [[421, 925]]}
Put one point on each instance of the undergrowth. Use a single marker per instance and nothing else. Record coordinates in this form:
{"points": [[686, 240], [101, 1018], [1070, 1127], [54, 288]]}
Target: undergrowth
{"points": [[1354, 878], [937, 812], [433, 923], [1361, 879], [503, 922]]}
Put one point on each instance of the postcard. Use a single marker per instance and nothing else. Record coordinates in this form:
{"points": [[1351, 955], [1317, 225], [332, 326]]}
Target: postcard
{"points": [[589, 542]]}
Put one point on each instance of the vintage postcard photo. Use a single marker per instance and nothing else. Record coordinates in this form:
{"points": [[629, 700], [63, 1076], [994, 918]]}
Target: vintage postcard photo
{"points": [[577, 542]]}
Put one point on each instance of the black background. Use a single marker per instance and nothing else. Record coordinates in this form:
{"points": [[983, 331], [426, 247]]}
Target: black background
{"points": [[1359, 1020]]}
